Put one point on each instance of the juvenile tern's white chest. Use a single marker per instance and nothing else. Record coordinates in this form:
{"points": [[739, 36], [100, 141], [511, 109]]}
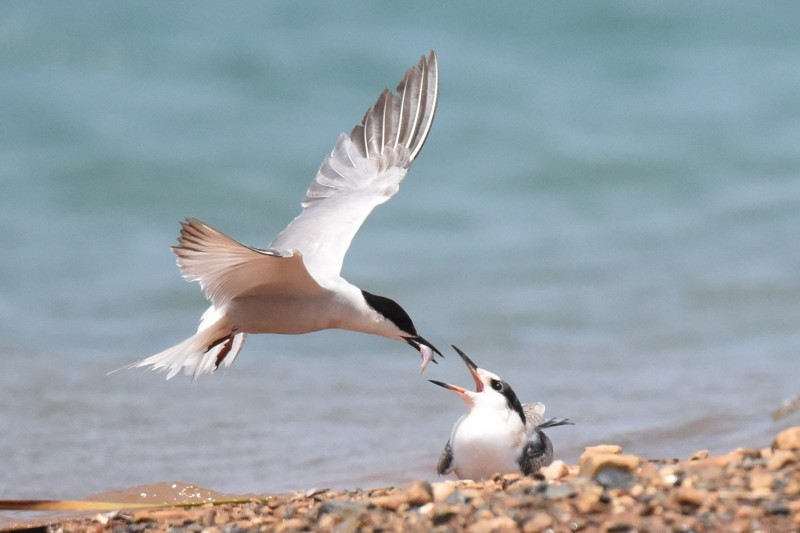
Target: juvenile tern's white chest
{"points": [[485, 441]]}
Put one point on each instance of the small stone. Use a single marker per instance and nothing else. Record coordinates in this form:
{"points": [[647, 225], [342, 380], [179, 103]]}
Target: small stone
{"points": [[419, 493], [340, 508], [443, 514], [292, 524], [746, 511], [501, 524], [792, 488], [555, 470], [778, 508], [441, 491], [593, 464], [426, 509], [696, 456], [526, 482], [599, 449], [538, 522], [589, 499], [614, 478], [781, 458], [328, 521], [625, 501], [558, 492], [315, 492], [510, 479], [749, 453], [788, 439], [689, 496], [737, 457], [391, 502], [761, 481], [732, 458], [477, 502]]}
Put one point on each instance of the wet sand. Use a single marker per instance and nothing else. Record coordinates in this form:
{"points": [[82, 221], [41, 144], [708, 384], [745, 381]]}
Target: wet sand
{"points": [[608, 490]]}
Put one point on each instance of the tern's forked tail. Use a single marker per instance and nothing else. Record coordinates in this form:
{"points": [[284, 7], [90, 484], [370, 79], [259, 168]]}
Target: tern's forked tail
{"points": [[213, 345]]}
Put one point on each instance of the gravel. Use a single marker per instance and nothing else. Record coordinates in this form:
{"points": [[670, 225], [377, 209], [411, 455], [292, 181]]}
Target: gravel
{"points": [[746, 490]]}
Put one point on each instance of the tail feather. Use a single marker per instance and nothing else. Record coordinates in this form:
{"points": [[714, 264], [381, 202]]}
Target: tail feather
{"points": [[202, 353], [553, 422]]}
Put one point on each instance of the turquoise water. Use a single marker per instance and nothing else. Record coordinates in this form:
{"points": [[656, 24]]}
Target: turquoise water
{"points": [[606, 214]]}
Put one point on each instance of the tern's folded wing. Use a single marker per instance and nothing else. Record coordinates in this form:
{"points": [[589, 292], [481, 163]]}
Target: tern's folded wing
{"points": [[363, 170], [534, 414], [226, 268], [445, 464]]}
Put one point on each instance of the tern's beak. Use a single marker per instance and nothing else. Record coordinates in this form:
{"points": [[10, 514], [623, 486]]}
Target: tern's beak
{"points": [[426, 351], [465, 394], [468, 396], [473, 370]]}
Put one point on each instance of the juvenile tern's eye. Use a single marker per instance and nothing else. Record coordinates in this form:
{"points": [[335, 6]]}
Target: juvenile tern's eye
{"points": [[497, 385]]}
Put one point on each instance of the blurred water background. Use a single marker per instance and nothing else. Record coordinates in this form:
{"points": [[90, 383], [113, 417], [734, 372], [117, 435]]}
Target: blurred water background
{"points": [[607, 213]]}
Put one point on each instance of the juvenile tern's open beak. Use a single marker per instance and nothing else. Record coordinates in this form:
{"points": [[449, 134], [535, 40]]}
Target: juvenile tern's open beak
{"points": [[473, 370], [468, 396], [426, 351], [465, 394]]}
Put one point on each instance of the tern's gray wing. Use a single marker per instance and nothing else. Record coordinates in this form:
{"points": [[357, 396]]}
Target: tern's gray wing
{"points": [[538, 452], [445, 460], [534, 418], [363, 170], [227, 269], [534, 414]]}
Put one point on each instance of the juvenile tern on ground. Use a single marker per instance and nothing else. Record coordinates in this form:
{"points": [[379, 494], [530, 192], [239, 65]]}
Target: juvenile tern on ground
{"points": [[294, 285], [498, 434]]}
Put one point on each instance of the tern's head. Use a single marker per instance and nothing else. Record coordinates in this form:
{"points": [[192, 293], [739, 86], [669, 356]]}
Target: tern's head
{"points": [[391, 311], [490, 390]]}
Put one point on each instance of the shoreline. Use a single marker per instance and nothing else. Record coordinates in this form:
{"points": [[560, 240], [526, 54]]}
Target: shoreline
{"points": [[747, 489]]}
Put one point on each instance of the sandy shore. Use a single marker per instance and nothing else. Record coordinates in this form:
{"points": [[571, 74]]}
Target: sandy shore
{"points": [[744, 490]]}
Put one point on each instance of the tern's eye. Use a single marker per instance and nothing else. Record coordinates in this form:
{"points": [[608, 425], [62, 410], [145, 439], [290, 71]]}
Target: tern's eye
{"points": [[497, 385]]}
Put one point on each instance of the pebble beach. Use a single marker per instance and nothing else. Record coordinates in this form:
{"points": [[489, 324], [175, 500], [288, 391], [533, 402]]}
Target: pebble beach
{"points": [[608, 490]]}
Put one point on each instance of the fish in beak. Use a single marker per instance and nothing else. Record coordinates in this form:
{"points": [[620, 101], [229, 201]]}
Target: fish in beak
{"points": [[426, 350], [468, 396]]}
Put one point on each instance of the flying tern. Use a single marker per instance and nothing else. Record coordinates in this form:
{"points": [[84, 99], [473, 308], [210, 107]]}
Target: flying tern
{"points": [[294, 285], [498, 434]]}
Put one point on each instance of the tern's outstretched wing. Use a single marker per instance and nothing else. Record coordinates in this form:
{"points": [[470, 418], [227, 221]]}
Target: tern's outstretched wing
{"points": [[363, 170], [227, 269]]}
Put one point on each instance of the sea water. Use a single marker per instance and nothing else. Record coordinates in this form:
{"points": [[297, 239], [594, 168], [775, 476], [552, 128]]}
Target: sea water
{"points": [[606, 213]]}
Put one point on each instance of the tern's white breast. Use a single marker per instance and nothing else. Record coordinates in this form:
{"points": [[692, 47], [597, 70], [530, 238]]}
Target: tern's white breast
{"points": [[485, 442]]}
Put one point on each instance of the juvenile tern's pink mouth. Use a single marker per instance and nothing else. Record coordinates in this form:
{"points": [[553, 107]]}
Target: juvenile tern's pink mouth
{"points": [[473, 370]]}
